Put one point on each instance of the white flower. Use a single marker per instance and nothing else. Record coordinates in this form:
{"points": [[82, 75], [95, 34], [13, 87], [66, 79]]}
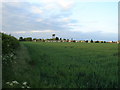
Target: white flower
{"points": [[24, 83], [15, 82], [11, 84], [28, 87], [7, 82], [22, 87]]}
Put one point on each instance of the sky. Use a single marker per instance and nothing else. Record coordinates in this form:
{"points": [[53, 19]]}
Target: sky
{"points": [[77, 19]]}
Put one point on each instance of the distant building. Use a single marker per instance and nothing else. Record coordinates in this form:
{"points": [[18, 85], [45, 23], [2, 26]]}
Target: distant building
{"points": [[34, 40]]}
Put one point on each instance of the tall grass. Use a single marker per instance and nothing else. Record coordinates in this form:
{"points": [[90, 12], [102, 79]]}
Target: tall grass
{"points": [[64, 65], [73, 65]]}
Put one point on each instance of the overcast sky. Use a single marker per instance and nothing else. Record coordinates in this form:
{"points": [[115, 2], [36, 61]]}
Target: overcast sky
{"points": [[77, 19]]}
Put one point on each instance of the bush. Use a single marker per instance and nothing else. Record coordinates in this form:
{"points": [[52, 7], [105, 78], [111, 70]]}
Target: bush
{"points": [[96, 41], [9, 48], [9, 44]]}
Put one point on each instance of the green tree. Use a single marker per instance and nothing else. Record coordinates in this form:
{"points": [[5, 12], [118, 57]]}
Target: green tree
{"points": [[91, 41], [21, 39], [57, 38], [96, 41], [64, 39], [34, 39], [53, 36], [60, 38], [28, 39], [86, 41]]}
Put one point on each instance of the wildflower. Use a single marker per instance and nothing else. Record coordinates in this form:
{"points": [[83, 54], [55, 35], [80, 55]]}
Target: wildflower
{"points": [[24, 83], [22, 87], [7, 82], [15, 82], [11, 84], [28, 87], [11, 55]]}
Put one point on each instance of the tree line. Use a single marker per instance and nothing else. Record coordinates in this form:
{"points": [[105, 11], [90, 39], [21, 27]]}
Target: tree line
{"points": [[57, 38], [31, 39]]}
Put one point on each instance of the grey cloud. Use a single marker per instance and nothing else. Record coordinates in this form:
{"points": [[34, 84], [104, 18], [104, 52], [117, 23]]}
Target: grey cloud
{"points": [[20, 18]]}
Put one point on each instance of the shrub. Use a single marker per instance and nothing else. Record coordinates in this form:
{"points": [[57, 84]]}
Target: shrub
{"points": [[9, 44]]}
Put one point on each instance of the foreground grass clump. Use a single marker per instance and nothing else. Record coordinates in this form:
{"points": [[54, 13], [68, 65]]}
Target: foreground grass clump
{"points": [[73, 65]]}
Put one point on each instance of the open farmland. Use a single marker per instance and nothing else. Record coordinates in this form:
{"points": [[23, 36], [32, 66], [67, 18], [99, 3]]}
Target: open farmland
{"points": [[67, 65]]}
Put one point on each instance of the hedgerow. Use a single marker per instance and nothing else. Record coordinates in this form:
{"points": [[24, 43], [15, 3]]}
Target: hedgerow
{"points": [[9, 47], [9, 44]]}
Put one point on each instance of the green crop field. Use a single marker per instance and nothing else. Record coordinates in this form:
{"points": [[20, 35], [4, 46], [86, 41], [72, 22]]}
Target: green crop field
{"points": [[67, 65]]}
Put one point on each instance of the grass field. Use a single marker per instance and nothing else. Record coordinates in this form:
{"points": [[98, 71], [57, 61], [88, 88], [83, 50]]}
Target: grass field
{"points": [[67, 65]]}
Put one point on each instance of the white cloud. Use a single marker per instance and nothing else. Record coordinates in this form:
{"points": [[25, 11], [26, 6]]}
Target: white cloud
{"points": [[49, 1], [46, 1], [33, 31], [44, 31], [18, 32], [39, 20], [71, 24], [12, 0], [99, 0], [65, 4], [36, 10], [66, 19], [50, 6], [94, 28]]}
